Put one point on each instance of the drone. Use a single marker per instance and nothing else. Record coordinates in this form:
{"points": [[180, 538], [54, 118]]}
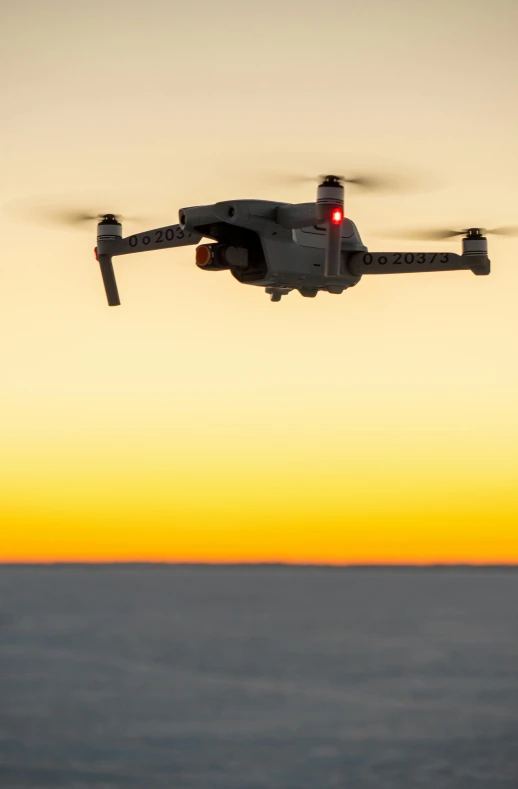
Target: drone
{"points": [[285, 247]]}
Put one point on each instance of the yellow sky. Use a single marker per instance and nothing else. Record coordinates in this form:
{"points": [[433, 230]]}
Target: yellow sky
{"points": [[199, 420]]}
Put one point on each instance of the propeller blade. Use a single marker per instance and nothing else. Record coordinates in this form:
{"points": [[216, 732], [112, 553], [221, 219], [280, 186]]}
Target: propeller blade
{"points": [[74, 217], [371, 182], [425, 234], [511, 230], [373, 179], [70, 217], [446, 234], [66, 216]]}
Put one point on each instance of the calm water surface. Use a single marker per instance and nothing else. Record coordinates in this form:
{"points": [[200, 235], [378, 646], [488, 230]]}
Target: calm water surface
{"points": [[258, 678]]}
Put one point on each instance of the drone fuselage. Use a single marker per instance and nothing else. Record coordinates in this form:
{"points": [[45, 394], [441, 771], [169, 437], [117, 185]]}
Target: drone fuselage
{"points": [[278, 257]]}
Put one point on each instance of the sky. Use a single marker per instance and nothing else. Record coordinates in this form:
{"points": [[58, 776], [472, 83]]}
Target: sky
{"points": [[199, 421]]}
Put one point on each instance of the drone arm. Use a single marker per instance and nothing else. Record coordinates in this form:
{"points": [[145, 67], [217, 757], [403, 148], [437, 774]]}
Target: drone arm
{"points": [[109, 245], [361, 263], [159, 238], [109, 281]]}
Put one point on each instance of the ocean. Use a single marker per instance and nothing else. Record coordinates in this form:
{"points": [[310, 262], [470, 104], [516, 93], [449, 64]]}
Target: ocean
{"points": [[156, 677]]}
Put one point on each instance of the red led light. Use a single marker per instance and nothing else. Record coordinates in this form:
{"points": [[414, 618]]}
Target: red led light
{"points": [[96, 255], [337, 216]]}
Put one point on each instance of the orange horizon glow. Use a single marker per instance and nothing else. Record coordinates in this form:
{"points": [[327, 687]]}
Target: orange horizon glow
{"points": [[232, 562]]}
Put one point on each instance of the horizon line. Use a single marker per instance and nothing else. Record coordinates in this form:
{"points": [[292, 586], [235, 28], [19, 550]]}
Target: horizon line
{"points": [[256, 564]]}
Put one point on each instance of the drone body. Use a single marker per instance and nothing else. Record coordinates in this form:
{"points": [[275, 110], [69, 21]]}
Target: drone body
{"points": [[308, 247]]}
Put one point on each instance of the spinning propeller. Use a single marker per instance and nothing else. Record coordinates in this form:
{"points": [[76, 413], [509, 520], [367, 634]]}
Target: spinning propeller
{"points": [[66, 215], [74, 217], [445, 234], [373, 182]]}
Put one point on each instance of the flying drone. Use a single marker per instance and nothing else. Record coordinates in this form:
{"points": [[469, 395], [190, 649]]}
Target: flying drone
{"points": [[285, 247]]}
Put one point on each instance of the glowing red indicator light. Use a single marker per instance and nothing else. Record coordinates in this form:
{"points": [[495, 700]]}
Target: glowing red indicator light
{"points": [[96, 255], [337, 216]]}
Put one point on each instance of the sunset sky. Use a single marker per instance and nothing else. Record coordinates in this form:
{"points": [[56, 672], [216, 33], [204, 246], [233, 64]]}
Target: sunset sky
{"points": [[199, 421]]}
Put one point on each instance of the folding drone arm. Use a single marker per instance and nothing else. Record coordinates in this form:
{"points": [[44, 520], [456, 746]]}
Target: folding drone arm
{"points": [[160, 238], [110, 244], [361, 263]]}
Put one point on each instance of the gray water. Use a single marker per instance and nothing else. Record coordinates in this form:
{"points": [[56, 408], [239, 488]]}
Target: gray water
{"points": [[252, 678]]}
